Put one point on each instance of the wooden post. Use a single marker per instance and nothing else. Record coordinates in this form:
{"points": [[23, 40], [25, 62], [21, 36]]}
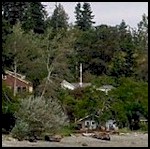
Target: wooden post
{"points": [[15, 71], [80, 74]]}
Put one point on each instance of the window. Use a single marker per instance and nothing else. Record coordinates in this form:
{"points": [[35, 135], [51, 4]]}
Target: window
{"points": [[4, 77], [24, 89], [93, 122], [87, 123], [19, 89]]}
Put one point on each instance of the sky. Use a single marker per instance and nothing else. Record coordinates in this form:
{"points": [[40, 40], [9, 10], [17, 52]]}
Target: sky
{"points": [[109, 13]]}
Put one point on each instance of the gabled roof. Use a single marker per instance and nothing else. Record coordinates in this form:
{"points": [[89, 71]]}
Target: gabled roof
{"points": [[81, 119], [73, 86], [18, 76], [66, 84], [107, 87]]}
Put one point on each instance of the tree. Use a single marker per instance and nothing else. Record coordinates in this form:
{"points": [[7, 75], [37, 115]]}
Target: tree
{"points": [[95, 48], [14, 11], [10, 105], [118, 64], [59, 18], [130, 97], [124, 61], [34, 18], [37, 117], [143, 32], [141, 44], [78, 15], [24, 54], [84, 17]]}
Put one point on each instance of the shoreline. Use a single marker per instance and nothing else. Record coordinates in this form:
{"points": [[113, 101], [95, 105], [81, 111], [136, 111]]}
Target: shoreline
{"points": [[77, 140]]}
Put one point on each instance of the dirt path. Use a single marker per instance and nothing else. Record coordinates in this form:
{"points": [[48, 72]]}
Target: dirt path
{"points": [[126, 140]]}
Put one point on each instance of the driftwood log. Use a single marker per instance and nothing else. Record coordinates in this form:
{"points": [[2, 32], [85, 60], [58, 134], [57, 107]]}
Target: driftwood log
{"points": [[102, 136], [53, 138]]}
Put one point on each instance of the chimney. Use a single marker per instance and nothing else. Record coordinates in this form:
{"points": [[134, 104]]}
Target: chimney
{"points": [[80, 75]]}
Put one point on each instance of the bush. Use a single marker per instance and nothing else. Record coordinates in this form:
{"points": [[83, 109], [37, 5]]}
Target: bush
{"points": [[37, 116], [144, 127], [10, 104], [66, 131]]}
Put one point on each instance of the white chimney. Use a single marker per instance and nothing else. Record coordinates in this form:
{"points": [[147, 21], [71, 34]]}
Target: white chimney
{"points": [[80, 75]]}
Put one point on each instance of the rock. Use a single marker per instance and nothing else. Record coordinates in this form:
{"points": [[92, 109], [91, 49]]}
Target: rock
{"points": [[10, 139], [32, 139], [46, 138], [84, 144], [56, 138]]}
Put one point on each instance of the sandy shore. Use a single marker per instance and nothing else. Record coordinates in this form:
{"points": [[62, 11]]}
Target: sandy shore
{"points": [[124, 140]]}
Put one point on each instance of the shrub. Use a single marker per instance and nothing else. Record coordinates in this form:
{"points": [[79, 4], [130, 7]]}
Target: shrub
{"points": [[38, 116], [143, 126]]}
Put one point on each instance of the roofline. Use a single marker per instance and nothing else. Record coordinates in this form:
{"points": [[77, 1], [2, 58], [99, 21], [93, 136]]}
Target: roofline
{"points": [[10, 73], [86, 117]]}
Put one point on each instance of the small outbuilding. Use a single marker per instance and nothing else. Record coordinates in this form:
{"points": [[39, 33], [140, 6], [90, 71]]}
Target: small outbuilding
{"points": [[88, 122]]}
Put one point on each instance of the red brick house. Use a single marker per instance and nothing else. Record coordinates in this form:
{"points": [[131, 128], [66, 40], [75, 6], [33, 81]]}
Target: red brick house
{"points": [[22, 85]]}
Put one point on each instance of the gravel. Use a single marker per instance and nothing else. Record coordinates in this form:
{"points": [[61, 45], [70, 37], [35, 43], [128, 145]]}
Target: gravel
{"points": [[122, 140]]}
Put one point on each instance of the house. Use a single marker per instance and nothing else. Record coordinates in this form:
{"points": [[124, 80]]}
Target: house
{"points": [[142, 119], [72, 86], [106, 88], [111, 125], [88, 122], [22, 85], [65, 84]]}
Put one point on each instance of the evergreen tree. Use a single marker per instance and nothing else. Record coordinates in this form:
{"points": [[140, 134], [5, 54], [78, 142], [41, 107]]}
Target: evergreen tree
{"points": [[14, 11], [59, 18], [34, 18], [143, 33], [124, 60], [78, 15], [84, 16], [141, 42]]}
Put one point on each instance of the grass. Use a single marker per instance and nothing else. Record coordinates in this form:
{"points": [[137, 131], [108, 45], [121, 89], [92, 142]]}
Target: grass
{"points": [[66, 131], [125, 130]]}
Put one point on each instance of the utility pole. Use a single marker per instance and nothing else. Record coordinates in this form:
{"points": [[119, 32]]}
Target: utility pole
{"points": [[80, 75], [56, 17], [15, 70]]}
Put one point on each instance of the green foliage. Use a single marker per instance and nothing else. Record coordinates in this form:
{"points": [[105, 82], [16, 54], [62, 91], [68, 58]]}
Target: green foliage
{"points": [[124, 130], [59, 19], [104, 80], [26, 50], [14, 11], [143, 33], [121, 104], [34, 18], [37, 116], [84, 17], [117, 67], [66, 130], [123, 62], [10, 104], [21, 130], [114, 55], [144, 127], [130, 96]]}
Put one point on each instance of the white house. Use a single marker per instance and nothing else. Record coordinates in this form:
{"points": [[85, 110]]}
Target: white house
{"points": [[71, 86], [88, 122], [106, 88], [65, 84]]}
